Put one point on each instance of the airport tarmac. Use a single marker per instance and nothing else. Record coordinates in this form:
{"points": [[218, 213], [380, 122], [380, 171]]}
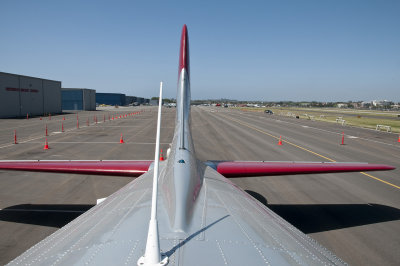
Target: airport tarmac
{"points": [[354, 215]]}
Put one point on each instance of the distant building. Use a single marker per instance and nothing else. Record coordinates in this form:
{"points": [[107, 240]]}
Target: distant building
{"points": [[111, 98], [78, 99], [381, 103], [355, 104], [365, 104], [376, 103], [130, 99], [342, 105], [140, 100], [21, 95]]}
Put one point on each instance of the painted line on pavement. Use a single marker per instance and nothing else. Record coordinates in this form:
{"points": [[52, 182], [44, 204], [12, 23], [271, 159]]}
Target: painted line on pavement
{"points": [[336, 133], [302, 148], [371, 176], [332, 132], [20, 141]]}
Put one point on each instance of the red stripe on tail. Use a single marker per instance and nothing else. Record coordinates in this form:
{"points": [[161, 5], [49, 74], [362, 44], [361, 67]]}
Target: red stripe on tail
{"points": [[184, 52]]}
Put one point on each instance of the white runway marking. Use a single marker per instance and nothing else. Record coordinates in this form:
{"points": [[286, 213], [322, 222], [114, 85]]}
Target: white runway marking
{"points": [[36, 138], [336, 133], [70, 130]]}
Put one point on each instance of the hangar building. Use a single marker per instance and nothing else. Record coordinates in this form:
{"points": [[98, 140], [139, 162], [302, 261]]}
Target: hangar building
{"points": [[78, 99], [130, 99], [22, 95], [111, 98]]}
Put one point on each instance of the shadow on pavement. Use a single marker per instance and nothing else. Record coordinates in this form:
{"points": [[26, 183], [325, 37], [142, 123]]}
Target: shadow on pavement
{"points": [[53, 215], [315, 218], [311, 218]]}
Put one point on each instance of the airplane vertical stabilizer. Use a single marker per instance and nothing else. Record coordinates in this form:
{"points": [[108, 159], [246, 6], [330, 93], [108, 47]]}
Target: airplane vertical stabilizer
{"points": [[183, 93], [182, 181]]}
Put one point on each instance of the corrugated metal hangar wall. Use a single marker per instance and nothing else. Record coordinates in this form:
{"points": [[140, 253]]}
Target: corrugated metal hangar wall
{"points": [[78, 99], [21, 95]]}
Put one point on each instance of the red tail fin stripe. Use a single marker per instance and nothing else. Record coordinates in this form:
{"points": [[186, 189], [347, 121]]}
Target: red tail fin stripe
{"points": [[184, 51]]}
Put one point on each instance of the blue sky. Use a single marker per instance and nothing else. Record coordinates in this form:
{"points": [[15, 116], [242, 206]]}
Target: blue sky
{"points": [[247, 50]]}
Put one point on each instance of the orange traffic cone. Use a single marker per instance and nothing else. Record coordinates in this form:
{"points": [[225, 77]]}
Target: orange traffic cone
{"points": [[161, 156], [280, 141], [15, 137], [46, 145], [121, 139]]}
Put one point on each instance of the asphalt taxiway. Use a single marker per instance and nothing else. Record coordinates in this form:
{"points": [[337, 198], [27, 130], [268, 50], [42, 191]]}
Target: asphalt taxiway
{"points": [[355, 215]]}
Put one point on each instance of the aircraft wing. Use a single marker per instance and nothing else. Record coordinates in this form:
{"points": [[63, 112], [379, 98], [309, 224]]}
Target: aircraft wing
{"points": [[108, 167], [231, 169]]}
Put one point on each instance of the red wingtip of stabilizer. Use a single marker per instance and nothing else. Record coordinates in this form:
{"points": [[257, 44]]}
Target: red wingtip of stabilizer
{"points": [[184, 51]]}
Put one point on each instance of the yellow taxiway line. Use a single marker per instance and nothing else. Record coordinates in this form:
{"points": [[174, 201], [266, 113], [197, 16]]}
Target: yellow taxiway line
{"points": [[307, 150]]}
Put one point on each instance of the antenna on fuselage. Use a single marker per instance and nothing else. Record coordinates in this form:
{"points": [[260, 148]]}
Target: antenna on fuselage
{"points": [[152, 255]]}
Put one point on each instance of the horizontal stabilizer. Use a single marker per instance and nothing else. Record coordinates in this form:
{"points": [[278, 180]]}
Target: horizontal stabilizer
{"points": [[248, 169], [114, 168]]}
